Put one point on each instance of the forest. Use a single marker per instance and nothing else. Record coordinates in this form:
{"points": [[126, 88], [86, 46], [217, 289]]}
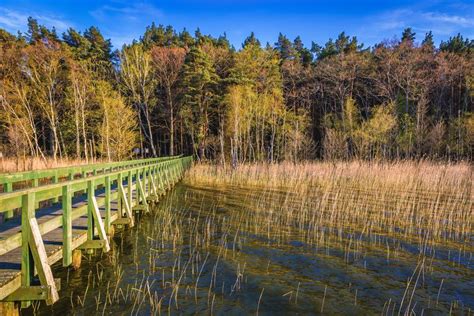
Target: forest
{"points": [[170, 92]]}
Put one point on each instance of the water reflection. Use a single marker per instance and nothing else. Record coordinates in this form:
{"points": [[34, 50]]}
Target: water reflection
{"points": [[234, 250]]}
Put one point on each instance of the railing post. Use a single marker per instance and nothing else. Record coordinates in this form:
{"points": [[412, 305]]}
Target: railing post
{"points": [[8, 187], [55, 180], [130, 188], [167, 174], [137, 194], [150, 180], [27, 263], [67, 224], [107, 204], [33, 252], [161, 175], [90, 210], [175, 171], [121, 193], [144, 180]]}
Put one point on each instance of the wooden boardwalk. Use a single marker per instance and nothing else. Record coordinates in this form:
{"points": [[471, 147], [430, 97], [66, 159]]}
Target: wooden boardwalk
{"points": [[59, 219]]}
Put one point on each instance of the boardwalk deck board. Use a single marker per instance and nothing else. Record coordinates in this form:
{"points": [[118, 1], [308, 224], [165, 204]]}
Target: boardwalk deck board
{"points": [[49, 218]]}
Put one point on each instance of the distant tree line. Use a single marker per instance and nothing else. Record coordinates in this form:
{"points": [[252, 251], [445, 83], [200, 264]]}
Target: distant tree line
{"points": [[174, 93]]}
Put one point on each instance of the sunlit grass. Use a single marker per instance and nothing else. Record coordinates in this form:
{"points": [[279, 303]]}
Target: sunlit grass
{"points": [[401, 229], [19, 164], [426, 201]]}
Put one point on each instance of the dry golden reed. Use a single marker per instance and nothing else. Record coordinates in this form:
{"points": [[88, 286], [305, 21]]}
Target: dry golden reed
{"points": [[30, 163], [423, 200]]}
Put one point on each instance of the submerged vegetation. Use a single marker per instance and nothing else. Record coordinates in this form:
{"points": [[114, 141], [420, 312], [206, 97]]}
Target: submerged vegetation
{"points": [[345, 238]]}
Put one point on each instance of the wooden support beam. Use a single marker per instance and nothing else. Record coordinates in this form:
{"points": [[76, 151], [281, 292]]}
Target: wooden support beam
{"points": [[160, 178], [122, 221], [152, 198], [9, 309], [41, 261], [97, 217], [94, 244], [142, 196], [123, 198], [76, 258], [30, 293]]}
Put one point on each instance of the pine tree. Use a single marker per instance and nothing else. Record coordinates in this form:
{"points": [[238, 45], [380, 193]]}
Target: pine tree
{"points": [[185, 38], [251, 40], [200, 80], [33, 34], [428, 41], [284, 47], [457, 44], [100, 52], [408, 36]]}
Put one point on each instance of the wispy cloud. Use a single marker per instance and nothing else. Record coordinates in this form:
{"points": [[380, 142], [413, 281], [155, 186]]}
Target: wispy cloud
{"points": [[422, 20], [451, 19], [125, 11], [118, 40], [129, 19], [14, 20]]}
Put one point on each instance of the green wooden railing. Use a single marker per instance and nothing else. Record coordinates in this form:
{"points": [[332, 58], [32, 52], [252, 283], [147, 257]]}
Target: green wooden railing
{"points": [[131, 184], [21, 180], [34, 178]]}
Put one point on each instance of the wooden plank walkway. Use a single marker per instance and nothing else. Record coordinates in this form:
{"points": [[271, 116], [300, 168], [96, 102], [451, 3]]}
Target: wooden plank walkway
{"points": [[62, 230]]}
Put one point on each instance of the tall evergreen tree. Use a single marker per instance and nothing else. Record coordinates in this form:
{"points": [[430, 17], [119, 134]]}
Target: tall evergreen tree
{"points": [[200, 79], [284, 47], [408, 36], [428, 41], [251, 40]]}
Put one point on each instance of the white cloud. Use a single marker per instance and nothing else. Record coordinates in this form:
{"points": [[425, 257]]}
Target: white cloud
{"points": [[393, 20], [387, 24], [13, 20], [118, 40], [451, 19], [126, 12]]}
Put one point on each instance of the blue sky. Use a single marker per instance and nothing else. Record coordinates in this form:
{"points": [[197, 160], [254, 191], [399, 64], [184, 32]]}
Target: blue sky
{"points": [[371, 21]]}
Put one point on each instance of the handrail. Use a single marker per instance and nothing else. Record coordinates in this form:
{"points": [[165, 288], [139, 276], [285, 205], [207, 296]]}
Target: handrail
{"points": [[8, 179], [12, 200]]}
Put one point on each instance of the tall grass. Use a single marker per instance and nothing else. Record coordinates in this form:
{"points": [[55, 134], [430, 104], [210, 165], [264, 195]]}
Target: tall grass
{"points": [[19, 164], [357, 220], [425, 201]]}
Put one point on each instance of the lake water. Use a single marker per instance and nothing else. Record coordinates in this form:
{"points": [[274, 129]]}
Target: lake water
{"points": [[235, 251]]}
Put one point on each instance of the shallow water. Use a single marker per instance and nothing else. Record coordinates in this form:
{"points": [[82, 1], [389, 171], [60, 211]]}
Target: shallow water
{"points": [[205, 251]]}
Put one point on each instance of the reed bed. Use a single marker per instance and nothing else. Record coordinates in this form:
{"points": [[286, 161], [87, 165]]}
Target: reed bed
{"points": [[19, 164], [425, 201], [345, 238]]}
